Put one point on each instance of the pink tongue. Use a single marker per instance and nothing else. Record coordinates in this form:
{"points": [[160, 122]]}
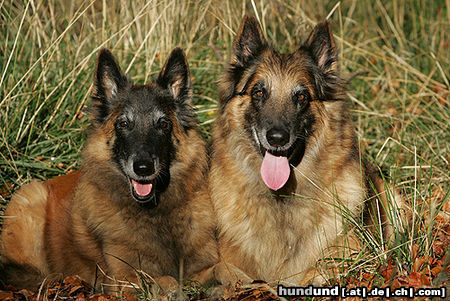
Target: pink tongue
{"points": [[275, 171], [142, 189]]}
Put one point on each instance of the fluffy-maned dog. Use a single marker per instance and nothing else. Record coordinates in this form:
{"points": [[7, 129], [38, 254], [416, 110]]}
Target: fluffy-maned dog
{"points": [[286, 173], [140, 201]]}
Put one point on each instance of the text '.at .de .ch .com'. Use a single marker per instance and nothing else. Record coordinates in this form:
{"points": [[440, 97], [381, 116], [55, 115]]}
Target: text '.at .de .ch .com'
{"points": [[363, 292]]}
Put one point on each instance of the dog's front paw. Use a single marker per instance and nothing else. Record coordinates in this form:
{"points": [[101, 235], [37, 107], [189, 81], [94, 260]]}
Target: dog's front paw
{"points": [[167, 283], [228, 274], [171, 289]]}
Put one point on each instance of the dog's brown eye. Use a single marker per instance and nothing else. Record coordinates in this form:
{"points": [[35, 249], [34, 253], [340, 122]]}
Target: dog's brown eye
{"points": [[301, 96], [164, 124], [258, 94], [123, 124]]}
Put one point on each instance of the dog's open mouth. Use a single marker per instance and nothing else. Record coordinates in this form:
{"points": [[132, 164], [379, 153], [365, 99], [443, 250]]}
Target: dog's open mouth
{"points": [[143, 191]]}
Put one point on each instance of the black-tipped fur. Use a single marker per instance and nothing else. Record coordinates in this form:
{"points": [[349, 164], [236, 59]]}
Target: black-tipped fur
{"points": [[247, 46], [175, 76], [108, 81], [250, 45], [322, 48], [140, 200], [286, 114]]}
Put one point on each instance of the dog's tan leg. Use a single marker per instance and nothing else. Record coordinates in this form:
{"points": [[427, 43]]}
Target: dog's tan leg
{"points": [[22, 241]]}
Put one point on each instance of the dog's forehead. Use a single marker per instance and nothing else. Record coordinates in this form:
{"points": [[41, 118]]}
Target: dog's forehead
{"points": [[147, 99], [285, 71]]}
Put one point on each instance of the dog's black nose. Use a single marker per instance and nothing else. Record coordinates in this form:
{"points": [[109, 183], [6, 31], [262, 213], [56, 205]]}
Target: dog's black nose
{"points": [[277, 137], [144, 168]]}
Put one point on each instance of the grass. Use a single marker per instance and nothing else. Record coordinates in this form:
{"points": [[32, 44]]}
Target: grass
{"points": [[400, 104]]}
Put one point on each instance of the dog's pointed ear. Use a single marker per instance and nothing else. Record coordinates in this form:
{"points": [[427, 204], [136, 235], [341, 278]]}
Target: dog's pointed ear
{"points": [[175, 76], [108, 81], [323, 48], [249, 42], [109, 78]]}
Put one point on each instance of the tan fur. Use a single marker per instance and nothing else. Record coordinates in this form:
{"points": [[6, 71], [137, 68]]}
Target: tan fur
{"points": [[267, 239], [58, 236], [23, 241], [276, 238], [87, 223], [22, 236]]}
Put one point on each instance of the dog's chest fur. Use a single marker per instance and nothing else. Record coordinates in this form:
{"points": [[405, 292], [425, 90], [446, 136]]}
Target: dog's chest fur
{"points": [[179, 231], [278, 238]]}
